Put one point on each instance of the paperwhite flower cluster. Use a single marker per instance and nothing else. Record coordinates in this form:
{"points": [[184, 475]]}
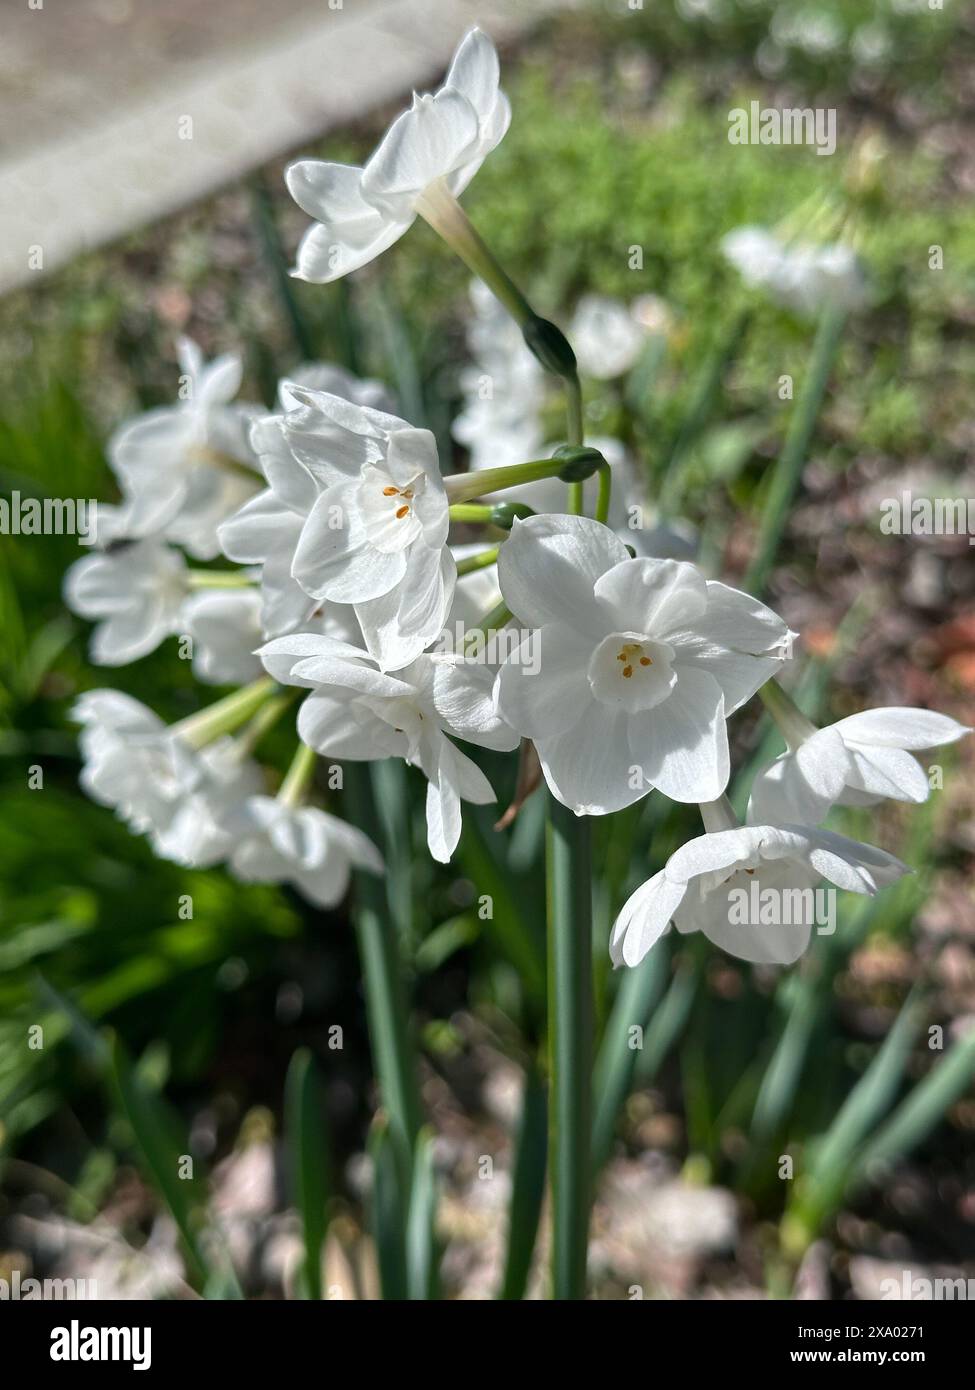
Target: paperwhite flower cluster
{"points": [[622, 668]]}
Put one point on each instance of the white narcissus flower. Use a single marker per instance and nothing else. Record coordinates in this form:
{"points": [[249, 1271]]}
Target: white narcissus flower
{"points": [[225, 627], [267, 529], [358, 712], [298, 845], [183, 469], [641, 661], [857, 761], [356, 512], [607, 337], [156, 783], [359, 212], [134, 593], [800, 276], [694, 890]]}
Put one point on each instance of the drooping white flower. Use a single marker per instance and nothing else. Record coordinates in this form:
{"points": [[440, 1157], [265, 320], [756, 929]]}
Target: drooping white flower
{"points": [[225, 627], [800, 276], [355, 512], [641, 661], [700, 889], [156, 782], [857, 761], [359, 212], [299, 845], [607, 336], [358, 712], [184, 468], [134, 593]]}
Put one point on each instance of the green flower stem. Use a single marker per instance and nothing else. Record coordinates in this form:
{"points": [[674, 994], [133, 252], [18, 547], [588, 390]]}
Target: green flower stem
{"points": [[795, 450], [218, 579], [793, 725], [481, 561], [460, 487], [225, 715], [390, 1034], [497, 618], [298, 777], [438, 206], [569, 903], [264, 720], [605, 494], [574, 434]]}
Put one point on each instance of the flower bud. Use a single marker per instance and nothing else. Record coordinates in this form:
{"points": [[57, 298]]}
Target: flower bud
{"points": [[550, 346], [504, 514], [579, 462]]}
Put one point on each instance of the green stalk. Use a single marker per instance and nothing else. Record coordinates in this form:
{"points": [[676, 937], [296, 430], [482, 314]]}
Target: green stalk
{"points": [[527, 1187], [462, 487], [569, 902], [226, 715], [574, 435], [785, 478], [482, 561], [218, 579], [438, 206], [390, 1034]]}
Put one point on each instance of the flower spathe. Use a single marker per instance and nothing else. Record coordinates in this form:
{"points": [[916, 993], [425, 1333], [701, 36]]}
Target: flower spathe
{"points": [[356, 711], [694, 889], [447, 135], [641, 660], [299, 845], [857, 761]]}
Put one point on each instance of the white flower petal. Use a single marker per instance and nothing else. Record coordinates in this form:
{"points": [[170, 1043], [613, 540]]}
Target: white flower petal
{"points": [[548, 566], [644, 918], [900, 727], [682, 743]]}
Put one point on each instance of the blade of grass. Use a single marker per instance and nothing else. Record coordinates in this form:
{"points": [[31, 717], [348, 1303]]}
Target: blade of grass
{"points": [[421, 1242], [788, 469], [569, 887], [308, 1157], [639, 993], [527, 1187]]}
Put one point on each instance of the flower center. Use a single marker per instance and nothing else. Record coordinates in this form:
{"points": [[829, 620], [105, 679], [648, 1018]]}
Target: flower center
{"points": [[630, 670], [389, 509]]}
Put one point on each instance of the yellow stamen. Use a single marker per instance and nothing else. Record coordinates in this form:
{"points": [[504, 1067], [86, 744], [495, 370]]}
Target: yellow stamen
{"points": [[401, 512]]}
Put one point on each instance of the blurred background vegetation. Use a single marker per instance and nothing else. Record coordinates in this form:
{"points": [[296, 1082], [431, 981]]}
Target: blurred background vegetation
{"points": [[165, 1032]]}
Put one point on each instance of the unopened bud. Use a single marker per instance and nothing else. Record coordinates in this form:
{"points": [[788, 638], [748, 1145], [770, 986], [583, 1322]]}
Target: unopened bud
{"points": [[578, 462], [550, 346]]}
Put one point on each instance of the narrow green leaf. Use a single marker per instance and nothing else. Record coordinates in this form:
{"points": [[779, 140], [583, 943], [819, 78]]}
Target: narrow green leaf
{"points": [[527, 1186], [308, 1158]]}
